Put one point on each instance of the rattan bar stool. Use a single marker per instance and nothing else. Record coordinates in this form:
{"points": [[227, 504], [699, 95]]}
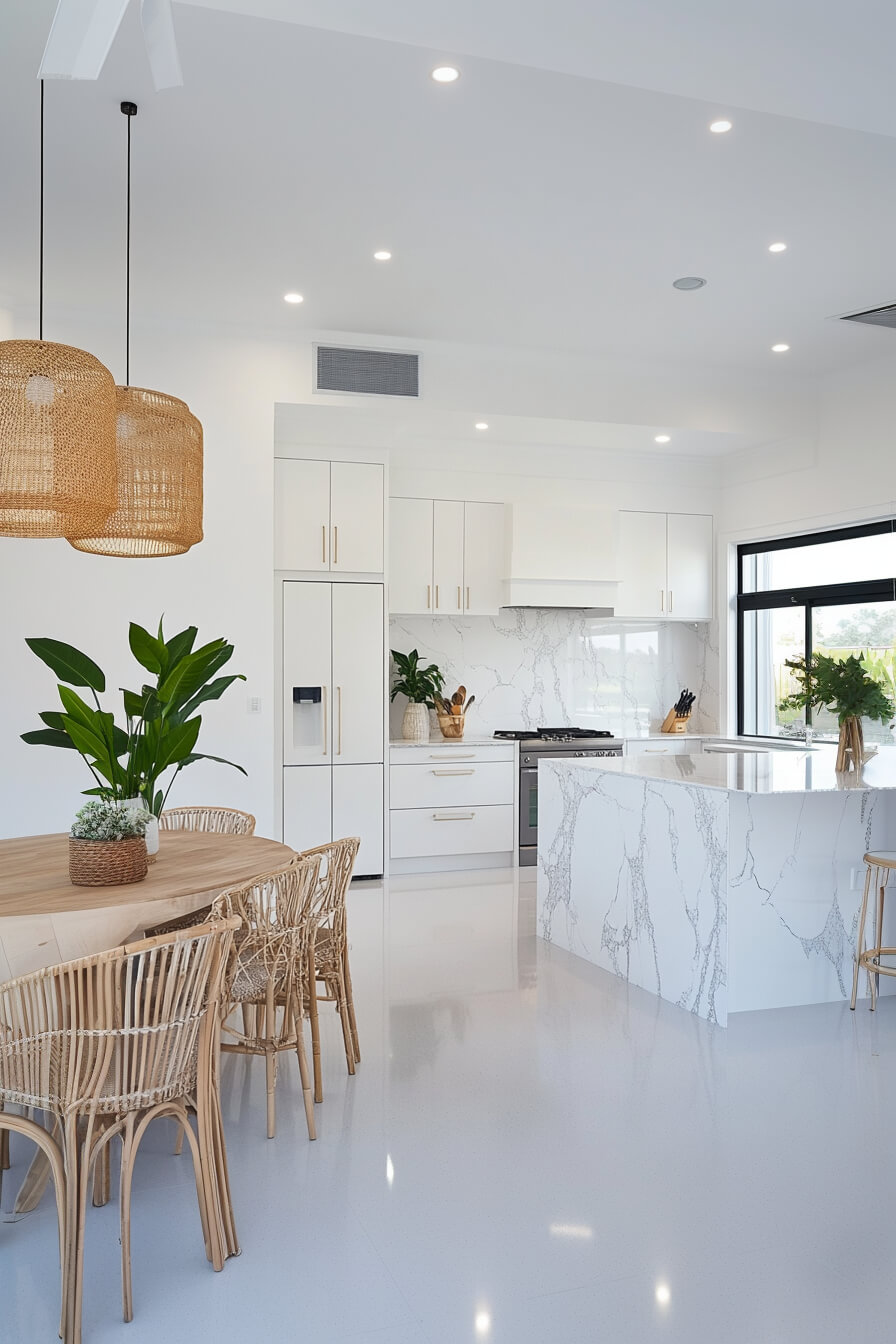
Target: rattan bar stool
{"points": [[103, 1046], [878, 867]]}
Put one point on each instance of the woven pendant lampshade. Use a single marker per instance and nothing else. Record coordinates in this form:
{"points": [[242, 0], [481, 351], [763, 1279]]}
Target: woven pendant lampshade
{"points": [[57, 440], [159, 452]]}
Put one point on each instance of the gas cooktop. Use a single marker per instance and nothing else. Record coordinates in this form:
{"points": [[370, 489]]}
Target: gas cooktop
{"points": [[550, 734]]}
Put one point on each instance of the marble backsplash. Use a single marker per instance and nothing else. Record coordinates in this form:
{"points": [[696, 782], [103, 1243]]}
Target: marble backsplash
{"points": [[531, 667]]}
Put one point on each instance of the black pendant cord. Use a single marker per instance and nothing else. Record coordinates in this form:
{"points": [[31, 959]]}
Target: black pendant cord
{"points": [[40, 310], [129, 110]]}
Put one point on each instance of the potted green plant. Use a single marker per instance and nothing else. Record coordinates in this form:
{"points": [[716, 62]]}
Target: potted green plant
{"points": [[844, 687], [161, 724], [107, 844], [421, 685]]}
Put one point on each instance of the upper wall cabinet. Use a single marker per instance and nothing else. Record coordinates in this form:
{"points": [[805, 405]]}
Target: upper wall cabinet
{"points": [[665, 566], [328, 516], [446, 557]]}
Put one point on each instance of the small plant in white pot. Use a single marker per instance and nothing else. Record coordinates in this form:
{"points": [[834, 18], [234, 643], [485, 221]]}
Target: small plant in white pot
{"points": [[422, 686], [107, 844]]}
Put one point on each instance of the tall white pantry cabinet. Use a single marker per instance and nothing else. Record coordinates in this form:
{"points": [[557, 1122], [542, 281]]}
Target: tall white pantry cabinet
{"points": [[333, 640]]}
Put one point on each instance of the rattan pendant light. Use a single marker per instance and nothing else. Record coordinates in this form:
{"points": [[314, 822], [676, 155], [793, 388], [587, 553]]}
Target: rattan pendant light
{"points": [[159, 458], [57, 429]]}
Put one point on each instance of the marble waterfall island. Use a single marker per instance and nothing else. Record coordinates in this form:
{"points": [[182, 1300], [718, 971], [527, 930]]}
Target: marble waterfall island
{"points": [[719, 882]]}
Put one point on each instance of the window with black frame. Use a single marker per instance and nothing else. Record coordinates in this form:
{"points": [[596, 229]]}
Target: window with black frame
{"points": [[829, 592]]}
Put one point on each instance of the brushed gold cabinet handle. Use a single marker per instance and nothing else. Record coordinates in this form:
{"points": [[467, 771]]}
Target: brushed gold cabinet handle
{"points": [[339, 707], [456, 816], [468, 597], [662, 599], [437, 597], [323, 542], [443, 773], [324, 701], [336, 544], [429, 597], [458, 598], [670, 599]]}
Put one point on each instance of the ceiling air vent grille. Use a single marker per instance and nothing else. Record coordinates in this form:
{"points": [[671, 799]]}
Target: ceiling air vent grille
{"points": [[372, 373], [875, 317]]}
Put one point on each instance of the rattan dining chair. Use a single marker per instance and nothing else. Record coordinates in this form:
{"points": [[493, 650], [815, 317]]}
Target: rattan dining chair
{"points": [[266, 978], [221, 820], [103, 1046], [329, 943]]}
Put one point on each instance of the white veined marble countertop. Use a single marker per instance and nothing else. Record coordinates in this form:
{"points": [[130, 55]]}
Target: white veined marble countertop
{"points": [[440, 742], [786, 771]]}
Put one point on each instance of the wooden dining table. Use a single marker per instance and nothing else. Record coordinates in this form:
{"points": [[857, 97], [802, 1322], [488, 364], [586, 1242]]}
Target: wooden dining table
{"points": [[45, 920]]}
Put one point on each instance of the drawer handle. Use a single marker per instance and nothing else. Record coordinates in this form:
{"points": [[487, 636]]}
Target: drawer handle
{"points": [[467, 756], [454, 816], [654, 749], [452, 772]]}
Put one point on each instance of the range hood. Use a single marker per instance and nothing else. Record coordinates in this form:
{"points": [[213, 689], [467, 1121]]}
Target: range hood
{"points": [[561, 558]]}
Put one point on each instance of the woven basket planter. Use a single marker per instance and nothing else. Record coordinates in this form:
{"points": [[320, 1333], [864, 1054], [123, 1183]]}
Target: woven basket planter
{"points": [[452, 725], [107, 863]]}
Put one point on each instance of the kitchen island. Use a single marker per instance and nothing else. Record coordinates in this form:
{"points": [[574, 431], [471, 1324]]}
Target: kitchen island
{"points": [[722, 883]]}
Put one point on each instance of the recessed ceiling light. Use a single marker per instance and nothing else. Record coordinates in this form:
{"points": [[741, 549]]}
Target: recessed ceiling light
{"points": [[445, 74], [780, 348], [292, 297], [663, 438], [689, 282], [777, 247], [720, 127], [481, 424], [662, 1294], [382, 256]]}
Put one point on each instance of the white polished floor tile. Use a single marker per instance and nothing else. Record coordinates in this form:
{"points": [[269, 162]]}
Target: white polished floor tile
{"points": [[531, 1151]]}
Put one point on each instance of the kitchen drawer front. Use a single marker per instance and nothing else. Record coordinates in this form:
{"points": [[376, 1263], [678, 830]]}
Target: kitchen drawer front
{"points": [[421, 833], [444, 753], [451, 784], [676, 746]]}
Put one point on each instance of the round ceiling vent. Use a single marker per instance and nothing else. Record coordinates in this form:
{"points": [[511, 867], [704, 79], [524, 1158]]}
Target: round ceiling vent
{"points": [[689, 282]]}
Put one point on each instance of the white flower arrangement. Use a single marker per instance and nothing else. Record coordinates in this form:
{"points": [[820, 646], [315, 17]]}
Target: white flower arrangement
{"points": [[102, 820]]}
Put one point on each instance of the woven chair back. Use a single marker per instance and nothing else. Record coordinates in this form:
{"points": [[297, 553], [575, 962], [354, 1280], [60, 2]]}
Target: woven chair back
{"points": [[222, 820], [115, 1032], [337, 862], [273, 914]]}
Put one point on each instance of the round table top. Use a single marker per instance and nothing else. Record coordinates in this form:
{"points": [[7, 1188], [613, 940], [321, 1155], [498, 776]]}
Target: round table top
{"points": [[34, 871]]}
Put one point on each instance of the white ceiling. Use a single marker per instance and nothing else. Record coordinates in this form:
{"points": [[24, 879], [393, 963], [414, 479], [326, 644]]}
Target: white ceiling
{"points": [[524, 206]]}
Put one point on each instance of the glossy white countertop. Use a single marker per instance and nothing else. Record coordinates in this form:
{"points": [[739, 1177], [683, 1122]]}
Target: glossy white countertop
{"points": [[786, 771], [468, 741]]}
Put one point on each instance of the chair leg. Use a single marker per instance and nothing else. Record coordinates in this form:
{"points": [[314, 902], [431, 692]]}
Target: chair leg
{"points": [[54, 1161], [270, 1025], [342, 1010], [307, 1095], [314, 1019], [347, 975], [860, 938], [77, 1181], [127, 1174], [879, 922]]}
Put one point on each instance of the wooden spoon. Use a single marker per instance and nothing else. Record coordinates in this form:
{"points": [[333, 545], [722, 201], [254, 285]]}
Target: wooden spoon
{"points": [[459, 695]]}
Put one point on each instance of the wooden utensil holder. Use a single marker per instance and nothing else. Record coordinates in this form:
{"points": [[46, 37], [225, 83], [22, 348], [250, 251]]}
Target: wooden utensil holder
{"points": [[452, 725]]}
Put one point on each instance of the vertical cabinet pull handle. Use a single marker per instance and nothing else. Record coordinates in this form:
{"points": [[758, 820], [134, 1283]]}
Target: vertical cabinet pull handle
{"points": [[324, 704], [437, 597], [662, 599], [429, 597], [468, 597], [670, 599], [339, 708], [458, 598], [336, 544], [323, 542]]}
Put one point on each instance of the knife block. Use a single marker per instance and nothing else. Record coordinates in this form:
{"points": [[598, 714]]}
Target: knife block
{"points": [[673, 724]]}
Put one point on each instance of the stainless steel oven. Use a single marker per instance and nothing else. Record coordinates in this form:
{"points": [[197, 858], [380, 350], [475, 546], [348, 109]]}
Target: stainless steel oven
{"points": [[550, 744]]}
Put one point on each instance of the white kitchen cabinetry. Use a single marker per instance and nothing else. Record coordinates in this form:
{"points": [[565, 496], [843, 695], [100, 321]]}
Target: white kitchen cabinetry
{"points": [[329, 516], [446, 557], [483, 558], [450, 808], [665, 566], [334, 698]]}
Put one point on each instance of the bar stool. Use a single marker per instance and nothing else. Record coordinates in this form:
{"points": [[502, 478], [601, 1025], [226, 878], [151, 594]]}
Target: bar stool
{"points": [[878, 867]]}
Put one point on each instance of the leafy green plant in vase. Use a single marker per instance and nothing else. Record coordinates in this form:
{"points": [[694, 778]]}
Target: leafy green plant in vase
{"points": [[422, 686], [161, 724], [844, 687], [107, 844]]}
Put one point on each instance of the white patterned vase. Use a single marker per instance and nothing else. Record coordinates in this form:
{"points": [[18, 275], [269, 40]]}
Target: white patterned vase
{"points": [[152, 827], [415, 724]]}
